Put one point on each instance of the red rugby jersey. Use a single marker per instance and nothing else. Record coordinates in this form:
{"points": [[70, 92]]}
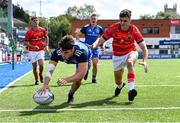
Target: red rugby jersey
{"points": [[123, 41], [36, 38]]}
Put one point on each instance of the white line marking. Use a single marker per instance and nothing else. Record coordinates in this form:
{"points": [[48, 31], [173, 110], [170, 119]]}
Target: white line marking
{"points": [[11, 83], [88, 109], [4, 63], [158, 85]]}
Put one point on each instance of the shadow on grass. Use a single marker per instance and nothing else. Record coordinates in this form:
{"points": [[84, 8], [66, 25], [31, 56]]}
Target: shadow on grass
{"points": [[106, 101], [44, 109], [28, 85], [69, 84], [57, 108]]}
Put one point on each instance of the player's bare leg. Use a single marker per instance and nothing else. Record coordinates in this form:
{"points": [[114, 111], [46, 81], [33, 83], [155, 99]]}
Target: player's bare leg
{"points": [[118, 80], [74, 87], [41, 64], [94, 70], [131, 76], [35, 72]]}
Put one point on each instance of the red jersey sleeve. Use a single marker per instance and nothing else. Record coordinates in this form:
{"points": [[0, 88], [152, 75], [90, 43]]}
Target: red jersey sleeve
{"points": [[44, 32], [110, 31], [28, 36], [45, 37], [137, 35]]}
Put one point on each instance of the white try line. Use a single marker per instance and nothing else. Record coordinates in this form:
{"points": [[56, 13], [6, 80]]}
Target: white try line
{"points": [[88, 109], [11, 83]]}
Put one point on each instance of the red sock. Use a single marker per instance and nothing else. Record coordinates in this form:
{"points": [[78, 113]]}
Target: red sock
{"points": [[131, 81]]}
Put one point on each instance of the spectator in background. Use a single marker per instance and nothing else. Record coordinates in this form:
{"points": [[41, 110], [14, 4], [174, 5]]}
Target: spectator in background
{"points": [[19, 54], [9, 52]]}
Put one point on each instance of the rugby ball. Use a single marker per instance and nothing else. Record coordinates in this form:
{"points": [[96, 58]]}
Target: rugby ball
{"points": [[43, 98]]}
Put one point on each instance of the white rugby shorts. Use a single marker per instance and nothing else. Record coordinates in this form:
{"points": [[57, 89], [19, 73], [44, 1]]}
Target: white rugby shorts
{"points": [[34, 56], [119, 62]]}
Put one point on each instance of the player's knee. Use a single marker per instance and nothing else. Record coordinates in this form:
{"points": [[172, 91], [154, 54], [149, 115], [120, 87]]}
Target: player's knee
{"points": [[79, 78], [118, 82], [129, 63]]}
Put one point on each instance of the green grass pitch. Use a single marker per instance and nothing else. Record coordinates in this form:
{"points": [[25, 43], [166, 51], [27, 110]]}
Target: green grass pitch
{"points": [[158, 97]]}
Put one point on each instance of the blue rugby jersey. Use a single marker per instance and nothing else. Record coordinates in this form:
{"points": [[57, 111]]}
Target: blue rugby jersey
{"points": [[91, 33], [81, 54]]}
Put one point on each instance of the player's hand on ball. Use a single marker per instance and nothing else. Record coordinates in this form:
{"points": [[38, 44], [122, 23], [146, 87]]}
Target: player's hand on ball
{"points": [[145, 66], [61, 82], [44, 89]]}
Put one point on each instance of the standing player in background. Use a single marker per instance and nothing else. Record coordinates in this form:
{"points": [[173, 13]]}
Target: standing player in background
{"points": [[37, 41], [91, 32], [124, 36], [70, 52]]}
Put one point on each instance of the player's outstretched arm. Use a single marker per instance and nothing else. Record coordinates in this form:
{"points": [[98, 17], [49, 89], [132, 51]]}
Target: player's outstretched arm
{"points": [[145, 56], [78, 76], [49, 71], [98, 42], [46, 45]]}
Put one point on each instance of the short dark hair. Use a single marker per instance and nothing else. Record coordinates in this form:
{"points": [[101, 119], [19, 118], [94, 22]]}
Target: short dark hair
{"points": [[125, 13], [66, 43], [93, 15], [34, 17]]}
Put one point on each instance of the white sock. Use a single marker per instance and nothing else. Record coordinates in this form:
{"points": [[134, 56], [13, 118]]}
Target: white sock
{"points": [[121, 85], [131, 85]]}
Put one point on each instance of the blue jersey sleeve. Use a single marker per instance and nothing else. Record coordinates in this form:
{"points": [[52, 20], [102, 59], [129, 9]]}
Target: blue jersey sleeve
{"points": [[83, 30], [101, 31]]}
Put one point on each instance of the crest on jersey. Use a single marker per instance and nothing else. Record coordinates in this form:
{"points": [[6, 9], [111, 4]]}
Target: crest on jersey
{"points": [[129, 37]]}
